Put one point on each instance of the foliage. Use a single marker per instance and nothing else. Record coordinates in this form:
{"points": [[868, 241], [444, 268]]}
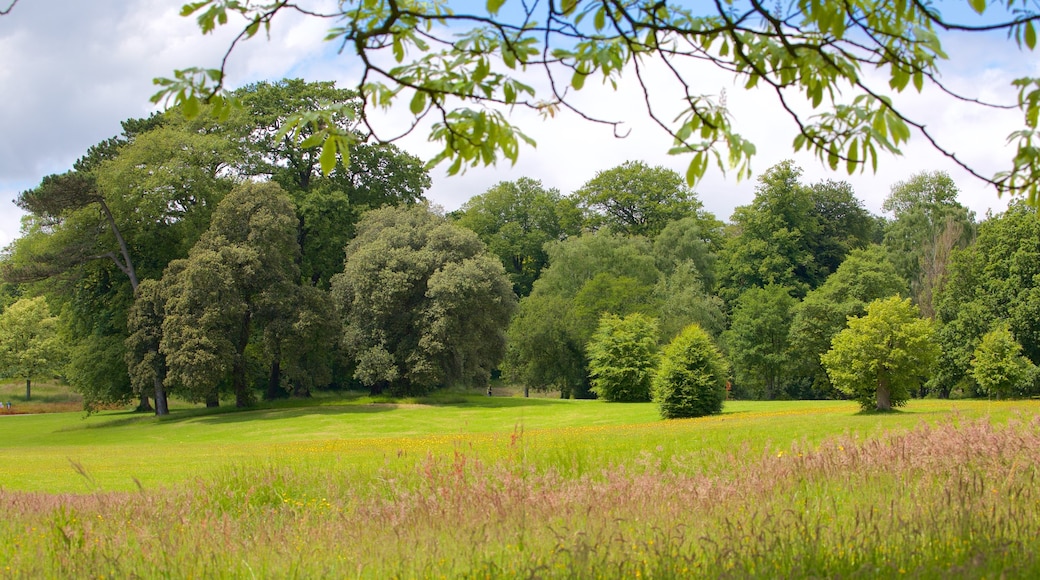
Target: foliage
{"points": [[463, 65], [516, 219], [683, 300], [929, 224], [588, 276], [636, 199], [29, 343], [329, 199], [791, 235], [691, 378], [999, 367], [757, 342], [423, 303], [865, 275], [237, 276], [995, 279], [622, 357], [883, 356], [693, 240]]}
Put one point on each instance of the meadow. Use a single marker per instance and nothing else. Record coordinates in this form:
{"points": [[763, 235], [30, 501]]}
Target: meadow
{"points": [[466, 486]]}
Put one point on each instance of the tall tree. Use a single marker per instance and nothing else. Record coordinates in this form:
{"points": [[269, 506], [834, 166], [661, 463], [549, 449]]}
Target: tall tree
{"points": [[237, 278], [134, 203], [588, 276], [636, 199], [29, 342], [328, 203], [791, 234], [865, 275], [995, 279], [929, 224], [516, 219], [423, 303], [757, 341]]}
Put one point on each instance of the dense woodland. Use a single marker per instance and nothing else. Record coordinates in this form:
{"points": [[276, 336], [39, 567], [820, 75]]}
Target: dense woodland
{"points": [[211, 260]]}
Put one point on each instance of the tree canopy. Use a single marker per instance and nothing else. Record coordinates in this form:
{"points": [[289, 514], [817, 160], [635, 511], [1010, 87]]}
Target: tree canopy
{"points": [[882, 357], [423, 303]]}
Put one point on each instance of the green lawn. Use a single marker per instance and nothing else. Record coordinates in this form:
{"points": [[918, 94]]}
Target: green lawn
{"points": [[475, 487], [119, 449]]}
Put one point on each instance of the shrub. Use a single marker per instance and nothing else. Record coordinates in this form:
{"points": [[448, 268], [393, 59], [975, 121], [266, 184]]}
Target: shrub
{"points": [[622, 357], [999, 367], [691, 379]]}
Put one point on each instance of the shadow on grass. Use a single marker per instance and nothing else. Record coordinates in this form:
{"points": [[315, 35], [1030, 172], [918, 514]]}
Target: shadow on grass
{"points": [[273, 410]]}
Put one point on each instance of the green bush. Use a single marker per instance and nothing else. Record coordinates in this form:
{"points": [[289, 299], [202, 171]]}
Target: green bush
{"points": [[622, 357], [691, 379], [999, 367]]}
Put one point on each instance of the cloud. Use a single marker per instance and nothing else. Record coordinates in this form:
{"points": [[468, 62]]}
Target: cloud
{"points": [[71, 71]]}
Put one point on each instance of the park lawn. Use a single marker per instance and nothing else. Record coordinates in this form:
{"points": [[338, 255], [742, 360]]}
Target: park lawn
{"points": [[473, 487], [73, 452]]}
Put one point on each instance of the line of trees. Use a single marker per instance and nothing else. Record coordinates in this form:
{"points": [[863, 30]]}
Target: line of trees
{"points": [[210, 259]]}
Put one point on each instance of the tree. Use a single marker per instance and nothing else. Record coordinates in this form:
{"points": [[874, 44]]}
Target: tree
{"points": [[999, 367], [622, 357], [692, 242], [929, 224], [791, 234], [516, 219], [883, 356], [133, 203], [995, 279], [757, 341], [239, 276], [865, 275], [691, 378], [636, 199], [328, 202], [461, 64], [145, 363], [29, 342], [588, 276], [423, 303]]}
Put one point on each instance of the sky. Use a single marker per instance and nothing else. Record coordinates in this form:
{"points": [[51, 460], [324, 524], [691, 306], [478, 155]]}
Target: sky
{"points": [[71, 71]]}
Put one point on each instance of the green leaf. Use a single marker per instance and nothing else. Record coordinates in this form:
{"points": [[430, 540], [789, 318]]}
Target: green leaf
{"points": [[328, 156], [191, 107], [418, 104], [493, 6], [578, 80], [979, 6], [1030, 35]]}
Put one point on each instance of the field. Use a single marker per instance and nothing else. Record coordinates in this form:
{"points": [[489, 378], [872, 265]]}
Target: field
{"points": [[471, 486]]}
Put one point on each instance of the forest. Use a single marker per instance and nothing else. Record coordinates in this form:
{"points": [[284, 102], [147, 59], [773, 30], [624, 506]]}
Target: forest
{"points": [[214, 260]]}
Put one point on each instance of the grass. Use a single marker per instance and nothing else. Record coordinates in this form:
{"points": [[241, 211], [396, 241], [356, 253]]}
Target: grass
{"points": [[508, 487], [47, 397]]}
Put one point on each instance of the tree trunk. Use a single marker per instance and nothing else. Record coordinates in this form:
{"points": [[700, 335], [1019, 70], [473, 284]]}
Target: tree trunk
{"points": [[28, 389], [527, 391], [144, 406], [274, 382], [884, 396], [238, 366], [162, 405]]}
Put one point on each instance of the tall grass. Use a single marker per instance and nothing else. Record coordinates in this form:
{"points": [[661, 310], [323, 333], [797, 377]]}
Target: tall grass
{"points": [[958, 498]]}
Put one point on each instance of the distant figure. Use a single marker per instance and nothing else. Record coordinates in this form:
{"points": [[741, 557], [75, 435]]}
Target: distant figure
{"points": [[489, 390]]}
